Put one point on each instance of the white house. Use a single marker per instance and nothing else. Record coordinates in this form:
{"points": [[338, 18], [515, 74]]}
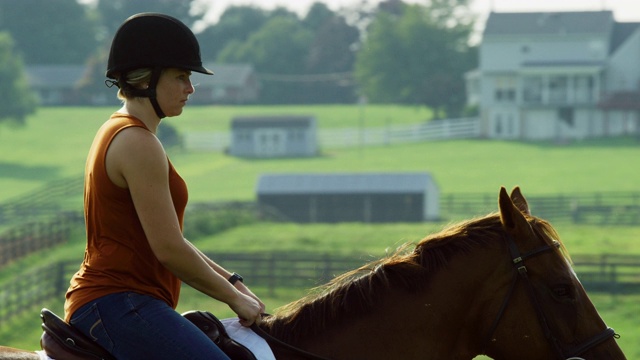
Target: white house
{"points": [[560, 75]]}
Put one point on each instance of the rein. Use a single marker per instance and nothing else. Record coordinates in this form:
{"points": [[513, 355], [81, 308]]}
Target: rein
{"points": [[268, 337], [521, 273]]}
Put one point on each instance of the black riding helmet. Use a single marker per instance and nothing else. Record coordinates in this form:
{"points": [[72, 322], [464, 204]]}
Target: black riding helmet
{"points": [[156, 41]]}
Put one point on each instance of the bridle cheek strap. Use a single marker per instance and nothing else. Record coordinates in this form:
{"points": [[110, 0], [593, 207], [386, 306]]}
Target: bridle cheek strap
{"points": [[522, 273]]}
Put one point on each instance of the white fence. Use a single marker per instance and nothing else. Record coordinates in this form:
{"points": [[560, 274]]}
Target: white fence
{"points": [[444, 129]]}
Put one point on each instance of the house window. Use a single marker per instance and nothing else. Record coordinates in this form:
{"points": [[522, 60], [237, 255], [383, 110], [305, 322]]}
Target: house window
{"points": [[532, 89], [243, 136], [583, 86], [505, 89], [558, 89]]}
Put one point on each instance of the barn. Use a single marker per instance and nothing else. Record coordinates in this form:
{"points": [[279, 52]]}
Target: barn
{"points": [[351, 197], [273, 136]]}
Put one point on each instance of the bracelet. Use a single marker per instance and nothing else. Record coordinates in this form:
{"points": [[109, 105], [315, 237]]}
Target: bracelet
{"points": [[235, 277]]}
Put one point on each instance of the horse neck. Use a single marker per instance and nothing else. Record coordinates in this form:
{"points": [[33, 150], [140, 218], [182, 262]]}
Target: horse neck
{"points": [[442, 321]]}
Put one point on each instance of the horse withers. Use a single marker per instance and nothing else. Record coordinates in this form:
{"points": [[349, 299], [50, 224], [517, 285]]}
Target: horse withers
{"points": [[500, 285]]}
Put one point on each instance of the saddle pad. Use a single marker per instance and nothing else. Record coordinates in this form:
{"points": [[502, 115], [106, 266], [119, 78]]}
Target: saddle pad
{"points": [[248, 338]]}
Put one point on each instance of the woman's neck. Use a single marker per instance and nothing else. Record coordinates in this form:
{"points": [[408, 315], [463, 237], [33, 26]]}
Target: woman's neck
{"points": [[142, 110]]}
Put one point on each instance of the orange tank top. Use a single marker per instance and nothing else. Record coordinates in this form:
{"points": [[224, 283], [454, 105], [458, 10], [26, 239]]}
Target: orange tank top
{"points": [[118, 257]]}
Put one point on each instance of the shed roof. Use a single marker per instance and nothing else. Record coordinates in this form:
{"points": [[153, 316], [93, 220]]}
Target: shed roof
{"points": [[241, 122], [343, 183], [550, 23]]}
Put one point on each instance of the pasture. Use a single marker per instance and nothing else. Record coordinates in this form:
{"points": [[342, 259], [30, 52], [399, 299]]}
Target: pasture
{"points": [[55, 141]]}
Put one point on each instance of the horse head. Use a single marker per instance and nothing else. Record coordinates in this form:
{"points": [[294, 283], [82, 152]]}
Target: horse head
{"points": [[545, 311]]}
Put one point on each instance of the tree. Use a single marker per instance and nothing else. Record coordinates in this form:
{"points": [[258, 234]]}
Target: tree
{"points": [[332, 52], [278, 49], [236, 23], [417, 55], [317, 16], [49, 32], [16, 101]]}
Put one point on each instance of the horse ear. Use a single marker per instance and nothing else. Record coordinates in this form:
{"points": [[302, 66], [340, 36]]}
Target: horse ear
{"points": [[511, 217], [519, 201]]}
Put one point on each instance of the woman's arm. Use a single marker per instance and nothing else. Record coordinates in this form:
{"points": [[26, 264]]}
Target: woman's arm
{"points": [[136, 157], [226, 274]]}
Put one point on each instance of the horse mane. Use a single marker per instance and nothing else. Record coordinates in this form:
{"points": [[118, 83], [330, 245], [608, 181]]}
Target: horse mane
{"points": [[357, 292]]}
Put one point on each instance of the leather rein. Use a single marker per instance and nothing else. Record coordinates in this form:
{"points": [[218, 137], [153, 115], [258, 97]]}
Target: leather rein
{"points": [[268, 337], [520, 272]]}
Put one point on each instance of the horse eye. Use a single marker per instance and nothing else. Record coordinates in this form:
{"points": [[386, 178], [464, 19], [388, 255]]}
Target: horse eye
{"points": [[562, 292]]}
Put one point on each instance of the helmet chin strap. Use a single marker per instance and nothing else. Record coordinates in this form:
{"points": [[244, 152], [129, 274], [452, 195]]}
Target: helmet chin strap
{"points": [[149, 92], [155, 77]]}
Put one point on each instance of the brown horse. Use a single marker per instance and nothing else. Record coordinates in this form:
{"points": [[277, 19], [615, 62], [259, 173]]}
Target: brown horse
{"points": [[501, 285]]}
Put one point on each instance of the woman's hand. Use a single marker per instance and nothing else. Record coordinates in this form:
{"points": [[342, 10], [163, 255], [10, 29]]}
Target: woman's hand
{"points": [[248, 309], [245, 290]]}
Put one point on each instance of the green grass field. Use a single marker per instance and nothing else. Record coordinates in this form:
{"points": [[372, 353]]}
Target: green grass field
{"points": [[55, 141]]}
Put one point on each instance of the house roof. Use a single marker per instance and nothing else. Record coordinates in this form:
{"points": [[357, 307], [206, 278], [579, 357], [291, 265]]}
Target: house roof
{"points": [[244, 122], [343, 183], [226, 74], [549, 23], [54, 76], [621, 32]]}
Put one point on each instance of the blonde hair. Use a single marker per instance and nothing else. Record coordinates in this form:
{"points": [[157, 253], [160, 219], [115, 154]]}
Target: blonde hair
{"points": [[134, 79]]}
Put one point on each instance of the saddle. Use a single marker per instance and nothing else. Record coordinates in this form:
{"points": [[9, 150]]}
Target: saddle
{"points": [[62, 341], [213, 328]]}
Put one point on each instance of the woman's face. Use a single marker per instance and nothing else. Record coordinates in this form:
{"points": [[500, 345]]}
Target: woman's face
{"points": [[173, 90]]}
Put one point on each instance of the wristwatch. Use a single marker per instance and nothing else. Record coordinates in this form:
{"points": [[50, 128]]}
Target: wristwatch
{"points": [[235, 277]]}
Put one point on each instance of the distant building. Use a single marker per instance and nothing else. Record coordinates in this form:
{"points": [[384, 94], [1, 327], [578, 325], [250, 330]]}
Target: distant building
{"points": [[273, 136], [557, 75], [231, 84], [56, 84], [351, 197], [59, 85]]}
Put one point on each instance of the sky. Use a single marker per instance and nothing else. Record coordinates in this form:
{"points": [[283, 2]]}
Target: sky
{"points": [[624, 10]]}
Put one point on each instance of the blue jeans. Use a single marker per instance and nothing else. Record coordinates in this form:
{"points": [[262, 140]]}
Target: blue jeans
{"points": [[134, 326]]}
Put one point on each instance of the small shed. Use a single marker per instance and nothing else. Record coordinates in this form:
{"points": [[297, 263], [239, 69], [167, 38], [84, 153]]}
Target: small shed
{"points": [[274, 136], [351, 197]]}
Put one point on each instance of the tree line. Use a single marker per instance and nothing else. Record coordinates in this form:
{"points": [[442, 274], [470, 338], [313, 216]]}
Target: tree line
{"points": [[391, 52]]}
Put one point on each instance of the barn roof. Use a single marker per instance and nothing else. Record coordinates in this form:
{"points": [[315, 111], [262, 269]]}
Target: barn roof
{"points": [[343, 183]]}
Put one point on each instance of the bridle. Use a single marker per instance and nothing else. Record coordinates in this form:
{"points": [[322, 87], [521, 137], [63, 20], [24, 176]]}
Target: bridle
{"points": [[520, 272]]}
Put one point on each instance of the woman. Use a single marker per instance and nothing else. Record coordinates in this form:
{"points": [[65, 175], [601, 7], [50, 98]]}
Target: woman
{"points": [[125, 293]]}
